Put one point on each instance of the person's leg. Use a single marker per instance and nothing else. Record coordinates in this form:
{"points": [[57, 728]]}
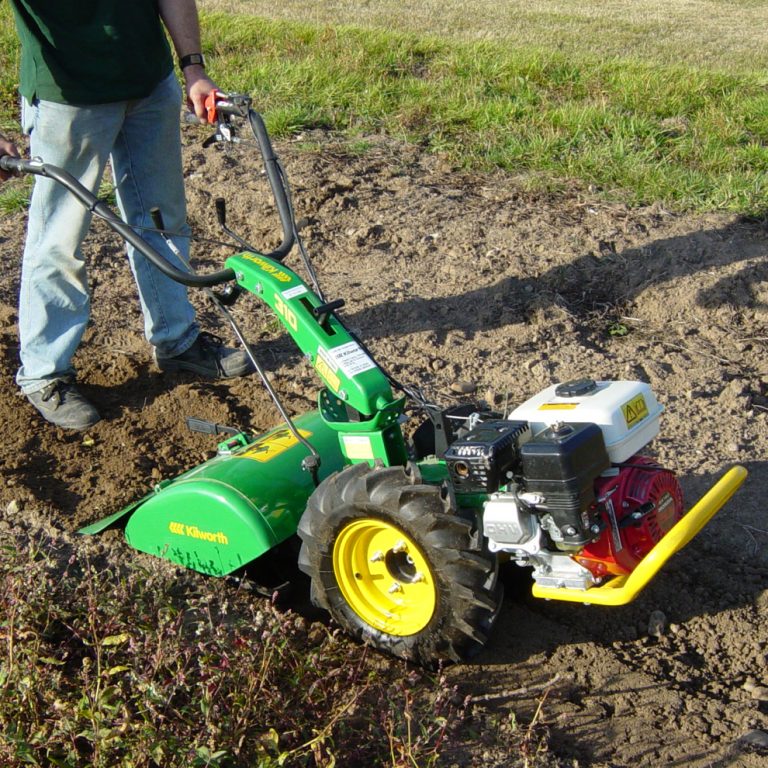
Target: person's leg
{"points": [[146, 161], [54, 301]]}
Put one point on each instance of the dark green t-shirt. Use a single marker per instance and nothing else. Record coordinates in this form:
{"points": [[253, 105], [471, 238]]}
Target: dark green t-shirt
{"points": [[90, 51]]}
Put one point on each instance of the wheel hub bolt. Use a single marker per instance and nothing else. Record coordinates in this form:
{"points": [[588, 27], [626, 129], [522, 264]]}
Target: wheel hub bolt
{"points": [[400, 546], [395, 588]]}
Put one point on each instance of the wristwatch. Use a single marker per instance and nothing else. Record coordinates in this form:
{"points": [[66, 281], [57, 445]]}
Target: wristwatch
{"points": [[192, 58]]}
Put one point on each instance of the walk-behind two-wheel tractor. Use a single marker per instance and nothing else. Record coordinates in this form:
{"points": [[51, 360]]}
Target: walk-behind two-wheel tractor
{"points": [[402, 538]]}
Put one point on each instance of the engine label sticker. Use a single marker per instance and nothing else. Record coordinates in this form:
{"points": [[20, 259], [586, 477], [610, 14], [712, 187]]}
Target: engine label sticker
{"points": [[634, 411], [267, 448], [292, 293], [351, 358], [558, 406], [358, 447]]}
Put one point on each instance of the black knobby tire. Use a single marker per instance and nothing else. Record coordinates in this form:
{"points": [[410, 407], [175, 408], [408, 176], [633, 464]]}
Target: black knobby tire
{"points": [[439, 563]]}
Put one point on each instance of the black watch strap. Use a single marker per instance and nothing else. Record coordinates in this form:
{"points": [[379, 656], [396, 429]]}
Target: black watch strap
{"points": [[190, 59]]}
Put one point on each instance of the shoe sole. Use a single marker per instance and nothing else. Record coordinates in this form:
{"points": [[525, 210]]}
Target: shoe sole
{"points": [[78, 426], [172, 367]]}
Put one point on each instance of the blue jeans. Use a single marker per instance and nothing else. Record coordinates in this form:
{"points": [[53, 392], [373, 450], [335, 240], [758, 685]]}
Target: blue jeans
{"points": [[141, 140]]}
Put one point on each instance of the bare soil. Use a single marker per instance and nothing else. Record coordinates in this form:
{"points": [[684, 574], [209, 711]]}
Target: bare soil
{"points": [[464, 281]]}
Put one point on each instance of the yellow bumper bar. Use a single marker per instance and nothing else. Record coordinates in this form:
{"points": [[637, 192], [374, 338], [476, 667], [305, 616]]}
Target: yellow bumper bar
{"points": [[624, 589]]}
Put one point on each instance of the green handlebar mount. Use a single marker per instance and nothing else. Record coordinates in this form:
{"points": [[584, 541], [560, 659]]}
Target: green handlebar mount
{"points": [[357, 401]]}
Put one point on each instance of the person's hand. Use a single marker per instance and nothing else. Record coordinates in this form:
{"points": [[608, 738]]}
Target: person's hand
{"points": [[7, 148], [199, 87]]}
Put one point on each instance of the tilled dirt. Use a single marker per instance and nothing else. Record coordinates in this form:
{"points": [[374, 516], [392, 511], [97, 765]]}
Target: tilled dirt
{"points": [[463, 282]]}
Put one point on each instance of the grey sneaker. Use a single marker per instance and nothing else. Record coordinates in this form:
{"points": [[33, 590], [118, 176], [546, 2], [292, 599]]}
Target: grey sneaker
{"points": [[207, 357], [61, 404]]}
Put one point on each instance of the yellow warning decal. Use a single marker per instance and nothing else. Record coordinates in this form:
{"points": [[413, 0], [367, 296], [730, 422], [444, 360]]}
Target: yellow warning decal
{"points": [[635, 410], [325, 371], [272, 445], [558, 406]]}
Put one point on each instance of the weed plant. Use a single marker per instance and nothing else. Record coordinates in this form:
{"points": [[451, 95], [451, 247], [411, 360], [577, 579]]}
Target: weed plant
{"points": [[138, 666]]}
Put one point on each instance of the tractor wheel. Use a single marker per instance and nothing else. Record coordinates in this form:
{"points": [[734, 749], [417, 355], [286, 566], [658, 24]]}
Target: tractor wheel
{"points": [[395, 566]]}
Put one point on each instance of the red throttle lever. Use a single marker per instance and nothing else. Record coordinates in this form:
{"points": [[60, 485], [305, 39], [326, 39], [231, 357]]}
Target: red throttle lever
{"points": [[211, 108]]}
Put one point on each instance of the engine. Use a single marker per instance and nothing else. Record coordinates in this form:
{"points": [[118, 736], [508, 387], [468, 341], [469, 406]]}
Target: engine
{"points": [[567, 491]]}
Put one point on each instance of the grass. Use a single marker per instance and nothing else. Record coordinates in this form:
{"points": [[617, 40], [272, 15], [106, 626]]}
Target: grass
{"points": [[9, 65], [105, 665], [688, 137], [727, 35], [634, 128], [14, 196]]}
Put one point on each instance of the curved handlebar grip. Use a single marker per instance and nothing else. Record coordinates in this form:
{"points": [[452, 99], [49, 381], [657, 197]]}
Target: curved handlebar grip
{"points": [[12, 164], [93, 204]]}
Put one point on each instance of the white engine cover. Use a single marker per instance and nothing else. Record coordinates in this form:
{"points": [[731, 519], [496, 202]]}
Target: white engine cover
{"points": [[626, 411]]}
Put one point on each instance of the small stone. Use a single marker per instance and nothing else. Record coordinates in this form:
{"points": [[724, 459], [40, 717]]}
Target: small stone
{"points": [[756, 738], [463, 387], [13, 507], [657, 624], [759, 692]]}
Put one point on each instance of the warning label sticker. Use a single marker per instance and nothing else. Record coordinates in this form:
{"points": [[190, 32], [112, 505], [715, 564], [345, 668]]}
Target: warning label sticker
{"points": [[327, 369], [350, 358], [635, 410], [292, 293], [358, 447], [279, 441]]}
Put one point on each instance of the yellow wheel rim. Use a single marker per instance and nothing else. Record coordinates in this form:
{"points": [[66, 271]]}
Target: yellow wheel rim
{"points": [[384, 577]]}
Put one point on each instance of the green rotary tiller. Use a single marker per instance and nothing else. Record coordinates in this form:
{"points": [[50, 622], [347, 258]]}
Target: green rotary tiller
{"points": [[402, 538]]}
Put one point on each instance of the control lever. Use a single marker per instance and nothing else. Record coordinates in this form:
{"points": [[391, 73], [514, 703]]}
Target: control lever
{"points": [[221, 217]]}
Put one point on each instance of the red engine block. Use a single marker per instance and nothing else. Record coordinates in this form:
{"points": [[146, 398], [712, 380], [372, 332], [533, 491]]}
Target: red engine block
{"points": [[637, 507]]}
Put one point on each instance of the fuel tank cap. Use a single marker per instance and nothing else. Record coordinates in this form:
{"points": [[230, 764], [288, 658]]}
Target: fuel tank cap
{"points": [[576, 388]]}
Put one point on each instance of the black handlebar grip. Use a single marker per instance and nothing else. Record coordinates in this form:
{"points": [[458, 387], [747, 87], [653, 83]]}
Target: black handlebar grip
{"points": [[12, 164], [221, 210], [157, 218]]}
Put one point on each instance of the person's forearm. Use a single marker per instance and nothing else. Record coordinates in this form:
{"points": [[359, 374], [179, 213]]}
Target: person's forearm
{"points": [[181, 20]]}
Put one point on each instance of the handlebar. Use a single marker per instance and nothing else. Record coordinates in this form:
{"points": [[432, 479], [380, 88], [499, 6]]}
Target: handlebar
{"points": [[20, 165], [37, 167], [276, 183]]}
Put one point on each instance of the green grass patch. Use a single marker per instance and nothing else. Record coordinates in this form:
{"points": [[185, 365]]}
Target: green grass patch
{"points": [[690, 138], [9, 67], [686, 136], [15, 195]]}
